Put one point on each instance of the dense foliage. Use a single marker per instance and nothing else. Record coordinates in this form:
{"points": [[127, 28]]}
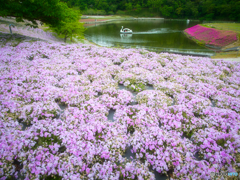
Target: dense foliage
{"points": [[54, 13], [195, 9], [54, 106]]}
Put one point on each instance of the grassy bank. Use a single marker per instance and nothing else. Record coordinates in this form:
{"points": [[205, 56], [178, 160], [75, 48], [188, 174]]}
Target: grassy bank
{"points": [[227, 26]]}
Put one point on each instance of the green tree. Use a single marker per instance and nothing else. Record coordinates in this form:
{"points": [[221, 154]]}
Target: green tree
{"points": [[54, 13], [166, 10], [68, 29], [70, 26], [129, 6], [113, 8], [197, 9], [138, 8], [47, 11]]}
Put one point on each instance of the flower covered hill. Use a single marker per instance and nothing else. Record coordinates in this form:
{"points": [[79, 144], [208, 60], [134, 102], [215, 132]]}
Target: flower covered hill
{"points": [[55, 100], [211, 36]]}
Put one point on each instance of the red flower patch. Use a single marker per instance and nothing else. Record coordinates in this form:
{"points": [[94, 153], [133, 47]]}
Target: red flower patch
{"points": [[212, 36]]}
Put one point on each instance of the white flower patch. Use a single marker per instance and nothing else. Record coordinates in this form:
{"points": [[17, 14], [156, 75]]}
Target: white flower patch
{"points": [[146, 76], [149, 64], [125, 168], [136, 117], [175, 66], [165, 72], [130, 80], [10, 110], [46, 93], [94, 106], [96, 73], [195, 103], [62, 74], [170, 57], [222, 119], [194, 169], [154, 98], [232, 91], [187, 140], [236, 73], [189, 72], [113, 70], [218, 148], [211, 72], [129, 64], [45, 139], [32, 82], [12, 144], [162, 60], [75, 96], [50, 80], [152, 78], [138, 70], [74, 81], [113, 98], [225, 66], [181, 119], [232, 80], [202, 89], [38, 111], [164, 151], [224, 101], [74, 117], [210, 80], [169, 88], [181, 79], [101, 84]]}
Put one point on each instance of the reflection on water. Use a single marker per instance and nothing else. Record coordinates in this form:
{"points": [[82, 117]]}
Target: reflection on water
{"points": [[158, 31], [153, 35], [125, 36]]}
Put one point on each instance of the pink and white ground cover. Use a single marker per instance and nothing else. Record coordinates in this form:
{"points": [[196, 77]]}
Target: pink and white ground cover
{"points": [[55, 100], [212, 36], [31, 32]]}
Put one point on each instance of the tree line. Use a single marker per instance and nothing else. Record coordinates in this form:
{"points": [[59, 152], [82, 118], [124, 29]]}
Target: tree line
{"points": [[190, 9], [62, 16]]}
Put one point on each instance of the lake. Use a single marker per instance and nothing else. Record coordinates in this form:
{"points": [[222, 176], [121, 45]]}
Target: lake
{"points": [[160, 35]]}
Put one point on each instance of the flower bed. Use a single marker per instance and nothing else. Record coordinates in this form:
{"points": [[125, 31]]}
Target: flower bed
{"points": [[211, 36], [55, 100]]}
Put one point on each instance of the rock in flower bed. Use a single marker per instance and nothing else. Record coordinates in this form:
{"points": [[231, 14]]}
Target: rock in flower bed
{"points": [[165, 129]]}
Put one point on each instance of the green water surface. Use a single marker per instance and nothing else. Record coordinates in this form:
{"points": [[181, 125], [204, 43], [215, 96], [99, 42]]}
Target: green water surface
{"points": [[160, 35]]}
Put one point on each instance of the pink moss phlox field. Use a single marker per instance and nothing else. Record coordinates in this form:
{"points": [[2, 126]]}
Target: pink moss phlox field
{"points": [[178, 115], [212, 36]]}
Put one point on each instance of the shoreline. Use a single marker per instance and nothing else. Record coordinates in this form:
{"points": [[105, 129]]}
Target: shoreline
{"points": [[225, 55], [237, 59], [104, 19]]}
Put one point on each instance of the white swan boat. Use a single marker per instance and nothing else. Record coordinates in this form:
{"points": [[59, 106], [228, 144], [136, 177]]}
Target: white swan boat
{"points": [[125, 31]]}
